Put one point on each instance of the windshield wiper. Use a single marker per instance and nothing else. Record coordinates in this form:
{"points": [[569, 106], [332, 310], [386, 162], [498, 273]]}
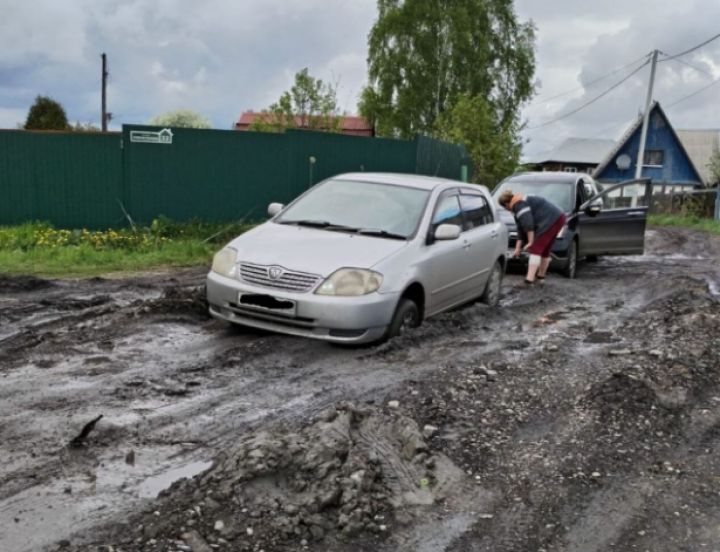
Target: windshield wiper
{"points": [[381, 233], [319, 224], [326, 225], [307, 222]]}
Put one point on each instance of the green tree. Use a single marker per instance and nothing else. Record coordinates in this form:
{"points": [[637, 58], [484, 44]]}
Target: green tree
{"points": [[494, 148], [181, 118], [85, 127], [714, 166], [424, 55], [46, 114], [310, 103]]}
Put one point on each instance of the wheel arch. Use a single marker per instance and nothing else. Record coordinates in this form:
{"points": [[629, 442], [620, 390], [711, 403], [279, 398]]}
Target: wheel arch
{"points": [[416, 293]]}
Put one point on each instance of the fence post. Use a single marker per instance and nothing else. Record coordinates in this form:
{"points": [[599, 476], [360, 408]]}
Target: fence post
{"points": [[717, 203], [464, 173]]}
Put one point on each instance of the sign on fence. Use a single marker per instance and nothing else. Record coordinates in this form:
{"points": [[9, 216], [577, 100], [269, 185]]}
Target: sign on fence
{"points": [[163, 136]]}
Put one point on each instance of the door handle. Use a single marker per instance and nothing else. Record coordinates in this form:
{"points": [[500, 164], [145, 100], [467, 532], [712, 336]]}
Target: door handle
{"points": [[466, 245], [636, 213], [494, 234]]}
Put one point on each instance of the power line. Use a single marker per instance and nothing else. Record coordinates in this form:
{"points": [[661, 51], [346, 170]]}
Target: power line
{"points": [[586, 85], [596, 98], [713, 83], [708, 41]]}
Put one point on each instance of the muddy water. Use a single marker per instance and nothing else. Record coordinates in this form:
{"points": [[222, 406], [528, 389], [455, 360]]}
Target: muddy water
{"points": [[175, 388]]}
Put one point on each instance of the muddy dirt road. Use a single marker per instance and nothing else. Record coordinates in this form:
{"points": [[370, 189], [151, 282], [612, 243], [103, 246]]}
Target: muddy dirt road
{"points": [[580, 416]]}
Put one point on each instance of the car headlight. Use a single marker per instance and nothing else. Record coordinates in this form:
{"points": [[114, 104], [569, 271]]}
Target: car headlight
{"points": [[224, 262], [351, 282]]}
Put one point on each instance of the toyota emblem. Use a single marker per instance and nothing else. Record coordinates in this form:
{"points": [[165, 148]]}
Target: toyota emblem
{"points": [[275, 272]]}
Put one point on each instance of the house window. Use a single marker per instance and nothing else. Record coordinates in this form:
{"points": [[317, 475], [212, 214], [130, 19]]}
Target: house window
{"points": [[654, 158], [570, 169]]}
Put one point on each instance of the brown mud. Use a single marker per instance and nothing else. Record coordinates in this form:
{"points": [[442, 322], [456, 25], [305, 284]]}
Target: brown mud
{"points": [[579, 416]]}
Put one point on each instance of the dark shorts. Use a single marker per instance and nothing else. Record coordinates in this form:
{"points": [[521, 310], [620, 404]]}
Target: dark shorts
{"points": [[544, 242]]}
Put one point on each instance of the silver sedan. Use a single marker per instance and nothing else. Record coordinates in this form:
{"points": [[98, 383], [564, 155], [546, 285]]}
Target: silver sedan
{"points": [[361, 257]]}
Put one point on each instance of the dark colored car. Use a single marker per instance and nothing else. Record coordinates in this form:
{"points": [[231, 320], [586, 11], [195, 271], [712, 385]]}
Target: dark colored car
{"points": [[606, 220]]}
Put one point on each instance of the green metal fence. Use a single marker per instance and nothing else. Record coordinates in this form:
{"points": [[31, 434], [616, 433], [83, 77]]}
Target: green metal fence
{"points": [[91, 180], [71, 180]]}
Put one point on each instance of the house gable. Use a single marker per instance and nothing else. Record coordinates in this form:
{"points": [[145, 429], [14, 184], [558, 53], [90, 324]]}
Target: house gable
{"points": [[669, 161]]}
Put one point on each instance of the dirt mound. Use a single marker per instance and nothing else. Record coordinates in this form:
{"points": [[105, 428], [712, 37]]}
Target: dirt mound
{"points": [[23, 283], [622, 393], [180, 300], [341, 476]]}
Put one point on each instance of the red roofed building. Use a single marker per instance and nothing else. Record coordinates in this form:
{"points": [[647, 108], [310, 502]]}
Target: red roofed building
{"points": [[351, 125]]}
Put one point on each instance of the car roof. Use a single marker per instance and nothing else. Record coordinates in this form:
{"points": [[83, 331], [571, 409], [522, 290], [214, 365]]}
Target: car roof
{"points": [[408, 180], [546, 176]]}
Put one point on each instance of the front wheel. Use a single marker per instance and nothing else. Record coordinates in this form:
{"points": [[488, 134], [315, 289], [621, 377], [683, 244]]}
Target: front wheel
{"points": [[491, 295], [570, 269], [407, 316]]}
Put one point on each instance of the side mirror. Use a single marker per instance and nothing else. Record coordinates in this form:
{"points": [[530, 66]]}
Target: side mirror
{"points": [[447, 232], [275, 208], [593, 208]]}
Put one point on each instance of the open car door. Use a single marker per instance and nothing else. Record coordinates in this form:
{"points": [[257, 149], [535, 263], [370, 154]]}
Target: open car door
{"points": [[618, 216]]}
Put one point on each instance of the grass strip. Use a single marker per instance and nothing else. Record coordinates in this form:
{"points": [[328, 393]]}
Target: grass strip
{"points": [[40, 249], [696, 223]]}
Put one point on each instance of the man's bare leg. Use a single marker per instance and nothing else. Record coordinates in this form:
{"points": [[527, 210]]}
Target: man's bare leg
{"points": [[533, 265]]}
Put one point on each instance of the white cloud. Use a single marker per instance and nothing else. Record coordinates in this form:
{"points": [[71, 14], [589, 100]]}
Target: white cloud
{"points": [[10, 118], [581, 41]]}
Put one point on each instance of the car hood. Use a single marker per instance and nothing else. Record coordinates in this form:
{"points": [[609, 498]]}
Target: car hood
{"points": [[312, 250]]}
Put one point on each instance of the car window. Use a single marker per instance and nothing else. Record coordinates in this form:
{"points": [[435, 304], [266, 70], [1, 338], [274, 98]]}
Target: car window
{"points": [[476, 211], [629, 196], [447, 212]]}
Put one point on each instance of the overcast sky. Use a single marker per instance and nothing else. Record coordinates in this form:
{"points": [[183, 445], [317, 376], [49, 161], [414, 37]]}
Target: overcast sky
{"points": [[221, 57]]}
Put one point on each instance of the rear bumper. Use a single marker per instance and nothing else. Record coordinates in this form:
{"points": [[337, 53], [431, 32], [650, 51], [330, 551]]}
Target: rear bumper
{"points": [[559, 252], [358, 320]]}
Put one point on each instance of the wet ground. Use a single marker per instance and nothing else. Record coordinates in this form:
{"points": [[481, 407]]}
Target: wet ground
{"points": [[579, 416]]}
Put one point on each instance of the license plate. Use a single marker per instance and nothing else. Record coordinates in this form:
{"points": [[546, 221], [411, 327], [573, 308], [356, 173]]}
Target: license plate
{"points": [[267, 303]]}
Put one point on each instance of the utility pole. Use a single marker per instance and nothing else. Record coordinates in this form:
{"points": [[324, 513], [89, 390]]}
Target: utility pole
{"points": [[646, 116], [104, 114]]}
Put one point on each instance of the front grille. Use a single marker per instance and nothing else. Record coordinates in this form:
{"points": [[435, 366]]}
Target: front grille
{"points": [[288, 280]]}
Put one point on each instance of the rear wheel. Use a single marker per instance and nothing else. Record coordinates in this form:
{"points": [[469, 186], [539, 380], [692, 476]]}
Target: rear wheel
{"points": [[491, 295], [407, 316], [570, 269]]}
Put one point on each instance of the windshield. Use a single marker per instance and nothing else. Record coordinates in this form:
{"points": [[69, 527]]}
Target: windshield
{"points": [[345, 205], [559, 193]]}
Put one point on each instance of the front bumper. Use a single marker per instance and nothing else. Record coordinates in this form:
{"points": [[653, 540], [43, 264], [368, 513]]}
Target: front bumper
{"points": [[362, 319]]}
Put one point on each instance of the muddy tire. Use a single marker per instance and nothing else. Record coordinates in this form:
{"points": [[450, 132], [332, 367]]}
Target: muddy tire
{"points": [[491, 295], [570, 268], [407, 316]]}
